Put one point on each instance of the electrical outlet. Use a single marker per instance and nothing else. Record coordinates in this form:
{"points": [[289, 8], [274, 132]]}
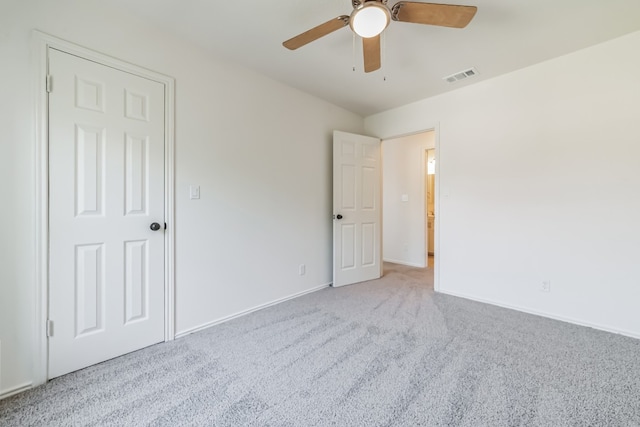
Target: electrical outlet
{"points": [[302, 269], [545, 285]]}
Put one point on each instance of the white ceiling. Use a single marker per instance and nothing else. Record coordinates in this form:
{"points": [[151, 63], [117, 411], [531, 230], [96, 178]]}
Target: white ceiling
{"points": [[505, 35]]}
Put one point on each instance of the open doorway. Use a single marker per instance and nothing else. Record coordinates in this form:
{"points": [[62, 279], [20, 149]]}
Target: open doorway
{"points": [[408, 201]]}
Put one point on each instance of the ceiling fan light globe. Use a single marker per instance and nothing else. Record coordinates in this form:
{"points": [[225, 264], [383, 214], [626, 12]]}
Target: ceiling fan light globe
{"points": [[370, 20]]}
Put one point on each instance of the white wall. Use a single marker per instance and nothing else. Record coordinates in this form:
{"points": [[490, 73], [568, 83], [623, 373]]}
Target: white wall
{"points": [[261, 152], [404, 222], [540, 179]]}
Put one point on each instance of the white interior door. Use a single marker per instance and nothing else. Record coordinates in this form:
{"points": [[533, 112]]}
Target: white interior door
{"points": [[357, 209], [106, 188]]}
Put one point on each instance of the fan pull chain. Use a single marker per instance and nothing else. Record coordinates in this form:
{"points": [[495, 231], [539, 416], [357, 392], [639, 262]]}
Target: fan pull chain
{"points": [[353, 52], [384, 56]]}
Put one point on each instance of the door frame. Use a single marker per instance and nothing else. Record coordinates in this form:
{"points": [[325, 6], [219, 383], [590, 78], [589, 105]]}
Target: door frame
{"points": [[41, 43]]}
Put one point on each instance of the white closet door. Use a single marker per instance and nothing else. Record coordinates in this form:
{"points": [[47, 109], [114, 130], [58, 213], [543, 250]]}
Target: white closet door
{"points": [[106, 189]]}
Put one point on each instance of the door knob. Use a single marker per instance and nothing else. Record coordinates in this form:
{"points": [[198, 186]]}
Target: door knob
{"points": [[154, 226], [338, 216]]}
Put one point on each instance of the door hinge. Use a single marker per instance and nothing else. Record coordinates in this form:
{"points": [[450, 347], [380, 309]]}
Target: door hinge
{"points": [[49, 328], [49, 82]]}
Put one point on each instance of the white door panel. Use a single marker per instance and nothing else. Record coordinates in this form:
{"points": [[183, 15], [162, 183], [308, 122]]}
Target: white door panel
{"points": [[357, 208], [106, 186]]}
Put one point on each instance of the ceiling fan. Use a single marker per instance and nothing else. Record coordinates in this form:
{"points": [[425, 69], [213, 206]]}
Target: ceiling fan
{"points": [[370, 18]]}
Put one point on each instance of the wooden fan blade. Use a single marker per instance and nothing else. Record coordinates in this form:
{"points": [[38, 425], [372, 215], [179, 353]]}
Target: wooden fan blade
{"points": [[444, 15], [371, 53], [317, 32]]}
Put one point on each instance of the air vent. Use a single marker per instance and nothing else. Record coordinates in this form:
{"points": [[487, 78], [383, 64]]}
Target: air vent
{"points": [[461, 75]]}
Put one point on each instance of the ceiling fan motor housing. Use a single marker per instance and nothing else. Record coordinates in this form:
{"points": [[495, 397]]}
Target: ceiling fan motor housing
{"points": [[357, 3]]}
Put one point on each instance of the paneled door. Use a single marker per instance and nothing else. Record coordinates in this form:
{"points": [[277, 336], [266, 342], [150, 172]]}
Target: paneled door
{"points": [[106, 212], [357, 210]]}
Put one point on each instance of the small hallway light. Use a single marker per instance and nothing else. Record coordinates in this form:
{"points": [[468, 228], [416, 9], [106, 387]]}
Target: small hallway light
{"points": [[370, 20], [431, 166]]}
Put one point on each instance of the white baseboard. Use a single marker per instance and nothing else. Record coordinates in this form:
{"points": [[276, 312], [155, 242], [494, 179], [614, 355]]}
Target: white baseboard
{"points": [[578, 322], [245, 312], [408, 264], [15, 390]]}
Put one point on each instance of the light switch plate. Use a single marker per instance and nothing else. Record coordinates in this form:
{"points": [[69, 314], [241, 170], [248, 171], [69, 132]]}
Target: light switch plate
{"points": [[194, 192], [405, 198]]}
